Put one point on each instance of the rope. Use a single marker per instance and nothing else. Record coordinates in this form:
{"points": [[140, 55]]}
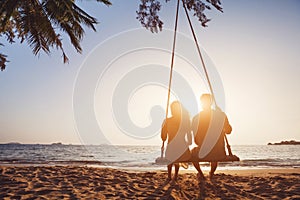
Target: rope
{"points": [[204, 68], [199, 52], [172, 59], [172, 66]]}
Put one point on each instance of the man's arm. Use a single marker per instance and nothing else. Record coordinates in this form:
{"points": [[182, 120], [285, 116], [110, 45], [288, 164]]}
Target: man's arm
{"points": [[227, 127]]}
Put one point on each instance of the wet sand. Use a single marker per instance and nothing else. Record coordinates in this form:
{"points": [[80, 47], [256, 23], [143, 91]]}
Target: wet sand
{"points": [[77, 182]]}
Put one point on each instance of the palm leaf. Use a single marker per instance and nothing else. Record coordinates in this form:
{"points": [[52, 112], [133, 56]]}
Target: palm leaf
{"points": [[2, 60], [39, 23]]}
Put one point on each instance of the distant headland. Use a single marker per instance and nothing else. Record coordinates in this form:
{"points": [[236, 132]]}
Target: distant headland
{"points": [[291, 142]]}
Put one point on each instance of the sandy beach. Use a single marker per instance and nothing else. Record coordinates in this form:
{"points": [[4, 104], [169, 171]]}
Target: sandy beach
{"points": [[77, 182]]}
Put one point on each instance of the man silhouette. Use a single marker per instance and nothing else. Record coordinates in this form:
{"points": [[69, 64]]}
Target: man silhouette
{"points": [[209, 128]]}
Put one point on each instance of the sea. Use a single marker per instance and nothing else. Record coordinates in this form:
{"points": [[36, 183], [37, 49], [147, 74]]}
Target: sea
{"points": [[140, 157]]}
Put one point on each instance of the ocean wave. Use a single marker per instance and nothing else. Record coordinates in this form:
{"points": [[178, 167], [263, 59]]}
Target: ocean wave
{"points": [[127, 156]]}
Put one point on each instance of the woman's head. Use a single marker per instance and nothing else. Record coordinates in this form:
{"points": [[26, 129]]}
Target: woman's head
{"points": [[176, 108]]}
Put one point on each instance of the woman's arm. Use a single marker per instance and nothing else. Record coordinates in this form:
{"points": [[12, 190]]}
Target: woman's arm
{"points": [[164, 131]]}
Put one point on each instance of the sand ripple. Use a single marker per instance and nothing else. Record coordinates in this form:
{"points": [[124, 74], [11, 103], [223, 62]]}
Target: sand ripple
{"points": [[74, 182]]}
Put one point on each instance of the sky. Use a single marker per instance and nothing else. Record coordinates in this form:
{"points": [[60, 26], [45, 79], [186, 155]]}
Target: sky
{"points": [[115, 91]]}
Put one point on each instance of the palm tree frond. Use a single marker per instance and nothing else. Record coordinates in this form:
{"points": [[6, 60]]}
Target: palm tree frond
{"points": [[3, 60], [106, 2], [38, 22]]}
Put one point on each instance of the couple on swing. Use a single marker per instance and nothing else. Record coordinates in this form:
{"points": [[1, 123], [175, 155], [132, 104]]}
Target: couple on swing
{"points": [[208, 127]]}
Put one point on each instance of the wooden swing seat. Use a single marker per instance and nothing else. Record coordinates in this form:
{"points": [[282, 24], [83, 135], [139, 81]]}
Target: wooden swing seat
{"points": [[226, 158]]}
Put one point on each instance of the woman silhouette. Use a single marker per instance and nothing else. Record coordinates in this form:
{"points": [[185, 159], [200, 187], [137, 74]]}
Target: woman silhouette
{"points": [[177, 129]]}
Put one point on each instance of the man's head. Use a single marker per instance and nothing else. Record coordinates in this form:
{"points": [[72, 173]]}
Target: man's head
{"points": [[206, 100]]}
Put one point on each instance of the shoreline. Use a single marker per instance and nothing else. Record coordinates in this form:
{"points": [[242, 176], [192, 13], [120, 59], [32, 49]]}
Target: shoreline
{"points": [[159, 168], [107, 183]]}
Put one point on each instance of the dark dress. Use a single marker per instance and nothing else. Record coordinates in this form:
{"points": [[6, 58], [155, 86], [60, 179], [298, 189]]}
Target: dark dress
{"points": [[178, 132]]}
